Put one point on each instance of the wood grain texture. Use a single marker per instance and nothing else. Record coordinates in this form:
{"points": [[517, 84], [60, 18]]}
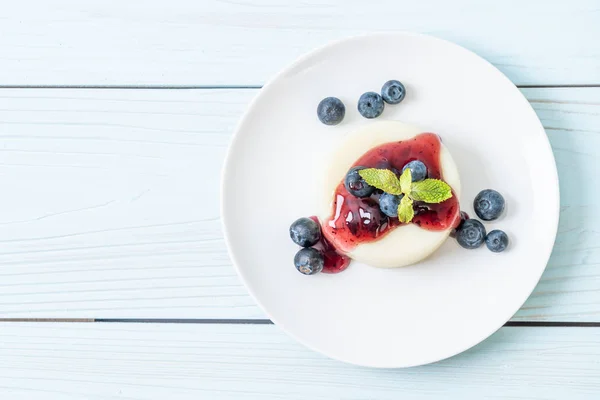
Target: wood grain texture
{"points": [[111, 197], [244, 42], [110, 205], [570, 287], [152, 361]]}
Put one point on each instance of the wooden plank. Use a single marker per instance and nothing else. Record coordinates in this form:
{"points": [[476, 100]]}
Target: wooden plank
{"points": [[211, 42], [150, 361], [111, 198], [110, 205], [570, 287]]}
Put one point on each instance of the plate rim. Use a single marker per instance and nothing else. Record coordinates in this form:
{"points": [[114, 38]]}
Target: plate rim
{"points": [[555, 198]]}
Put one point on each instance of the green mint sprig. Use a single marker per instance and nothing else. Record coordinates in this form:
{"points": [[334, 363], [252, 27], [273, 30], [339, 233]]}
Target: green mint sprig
{"points": [[428, 190], [383, 179], [406, 211]]}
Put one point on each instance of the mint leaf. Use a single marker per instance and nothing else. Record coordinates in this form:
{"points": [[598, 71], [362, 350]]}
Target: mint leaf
{"points": [[430, 191], [406, 181], [383, 179], [405, 210]]}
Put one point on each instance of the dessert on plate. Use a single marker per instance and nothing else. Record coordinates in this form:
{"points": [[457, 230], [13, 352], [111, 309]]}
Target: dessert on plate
{"points": [[363, 224], [390, 196]]}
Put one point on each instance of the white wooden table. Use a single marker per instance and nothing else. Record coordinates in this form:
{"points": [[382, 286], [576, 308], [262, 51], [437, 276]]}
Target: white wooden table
{"points": [[114, 278]]}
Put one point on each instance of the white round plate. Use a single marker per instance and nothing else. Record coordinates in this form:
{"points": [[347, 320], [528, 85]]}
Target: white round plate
{"points": [[404, 316]]}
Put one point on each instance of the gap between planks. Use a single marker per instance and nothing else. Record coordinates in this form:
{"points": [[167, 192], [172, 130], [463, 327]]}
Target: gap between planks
{"points": [[216, 87], [566, 324]]}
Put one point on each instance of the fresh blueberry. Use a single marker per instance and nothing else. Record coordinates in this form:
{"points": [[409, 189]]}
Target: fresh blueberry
{"points": [[331, 111], [388, 203], [309, 261], [471, 234], [305, 232], [393, 92], [418, 170], [463, 217], [488, 204], [370, 105], [356, 185], [496, 241]]}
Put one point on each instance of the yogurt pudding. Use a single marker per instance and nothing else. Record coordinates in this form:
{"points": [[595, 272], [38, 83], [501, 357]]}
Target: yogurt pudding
{"points": [[357, 228], [390, 196]]}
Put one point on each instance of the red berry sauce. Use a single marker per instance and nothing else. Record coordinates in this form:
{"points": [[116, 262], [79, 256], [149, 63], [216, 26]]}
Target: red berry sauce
{"points": [[334, 261], [359, 220]]}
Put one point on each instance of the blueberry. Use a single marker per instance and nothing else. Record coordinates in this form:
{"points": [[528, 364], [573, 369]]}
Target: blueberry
{"points": [[393, 92], [356, 185], [388, 203], [331, 111], [370, 105], [418, 170], [305, 232], [309, 261], [463, 217], [488, 204], [471, 234], [496, 241]]}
